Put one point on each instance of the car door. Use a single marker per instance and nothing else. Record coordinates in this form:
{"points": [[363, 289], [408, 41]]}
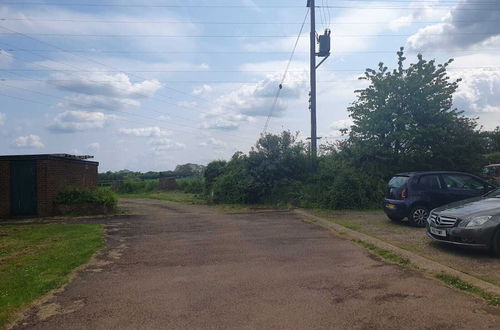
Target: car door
{"points": [[431, 190], [463, 186]]}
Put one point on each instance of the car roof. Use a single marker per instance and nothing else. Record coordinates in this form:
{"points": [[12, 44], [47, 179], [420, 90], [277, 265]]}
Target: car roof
{"points": [[429, 172], [492, 165]]}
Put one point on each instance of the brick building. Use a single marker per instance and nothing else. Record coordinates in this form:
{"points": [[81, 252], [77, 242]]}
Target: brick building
{"points": [[30, 183]]}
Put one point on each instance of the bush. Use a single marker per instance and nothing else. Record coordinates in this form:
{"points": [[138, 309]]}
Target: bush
{"points": [[78, 196], [134, 186], [193, 185]]}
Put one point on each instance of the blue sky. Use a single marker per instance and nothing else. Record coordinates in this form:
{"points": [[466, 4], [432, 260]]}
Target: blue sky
{"points": [[147, 85]]}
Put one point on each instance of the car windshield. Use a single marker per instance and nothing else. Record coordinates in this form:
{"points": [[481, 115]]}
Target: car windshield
{"points": [[494, 194]]}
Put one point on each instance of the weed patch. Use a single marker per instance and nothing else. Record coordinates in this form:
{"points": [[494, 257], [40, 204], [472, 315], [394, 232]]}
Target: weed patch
{"points": [[385, 254], [457, 283]]}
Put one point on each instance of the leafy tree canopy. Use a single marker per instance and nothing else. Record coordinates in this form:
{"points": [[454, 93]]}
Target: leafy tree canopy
{"points": [[404, 120]]}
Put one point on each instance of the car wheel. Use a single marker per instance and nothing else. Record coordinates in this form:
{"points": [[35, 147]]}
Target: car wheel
{"points": [[395, 219], [418, 216], [495, 244]]}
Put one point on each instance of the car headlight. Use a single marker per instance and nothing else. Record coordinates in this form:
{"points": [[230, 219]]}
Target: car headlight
{"points": [[478, 221]]}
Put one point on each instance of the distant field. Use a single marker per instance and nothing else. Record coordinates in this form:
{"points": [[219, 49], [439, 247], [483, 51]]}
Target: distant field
{"points": [[35, 259], [172, 196]]}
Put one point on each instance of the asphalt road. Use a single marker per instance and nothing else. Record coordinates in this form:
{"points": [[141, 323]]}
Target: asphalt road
{"points": [[190, 267]]}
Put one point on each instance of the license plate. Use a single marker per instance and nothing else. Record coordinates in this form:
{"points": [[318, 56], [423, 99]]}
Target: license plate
{"points": [[438, 232], [390, 206]]}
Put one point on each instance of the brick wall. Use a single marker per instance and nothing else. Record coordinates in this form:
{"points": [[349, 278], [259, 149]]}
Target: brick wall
{"points": [[55, 175], [4, 189]]}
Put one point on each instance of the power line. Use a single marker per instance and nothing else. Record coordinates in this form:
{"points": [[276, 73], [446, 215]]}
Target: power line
{"points": [[217, 71], [35, 19], [113, 111], [244, 36], [275, 101], [161, 113], [233, 6], [105, 51], [102, 64]]}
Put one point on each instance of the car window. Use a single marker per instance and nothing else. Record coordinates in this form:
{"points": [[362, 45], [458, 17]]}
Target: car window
{"points": [[494, 194], [429, 182], [398, 181], [462, 182]]}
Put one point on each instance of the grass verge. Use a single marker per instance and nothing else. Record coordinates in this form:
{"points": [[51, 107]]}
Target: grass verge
{"points": [[35, 259], [457, 283], [385, 254], [172, 196]]}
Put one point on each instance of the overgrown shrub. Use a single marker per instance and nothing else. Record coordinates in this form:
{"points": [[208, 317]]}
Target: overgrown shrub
{"points": [[77, 196], [193, 185], [134, 186]]}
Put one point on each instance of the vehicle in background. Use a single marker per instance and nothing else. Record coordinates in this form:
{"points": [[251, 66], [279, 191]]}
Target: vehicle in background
{"points": [[492, 172], [412, 195], [474, 222]]}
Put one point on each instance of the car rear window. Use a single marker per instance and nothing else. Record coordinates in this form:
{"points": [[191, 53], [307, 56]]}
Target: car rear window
{"points": [[398, 181]]}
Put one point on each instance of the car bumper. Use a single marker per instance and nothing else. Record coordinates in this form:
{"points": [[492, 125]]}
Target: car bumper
{"points": [[395, 208], [474, 237]]}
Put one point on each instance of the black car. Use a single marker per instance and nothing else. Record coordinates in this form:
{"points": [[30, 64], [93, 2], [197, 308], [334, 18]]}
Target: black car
{"points": [[414, 194], [473, 222]]}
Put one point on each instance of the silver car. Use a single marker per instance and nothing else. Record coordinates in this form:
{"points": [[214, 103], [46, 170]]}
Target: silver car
{"points": [[471, 222]]}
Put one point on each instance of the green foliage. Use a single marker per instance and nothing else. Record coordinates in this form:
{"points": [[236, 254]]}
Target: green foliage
{"points": [[459, 284], [404, 120], [492, 139], [192, 185], [181, 171], [493, 158], [134, 186], [76, 196]]}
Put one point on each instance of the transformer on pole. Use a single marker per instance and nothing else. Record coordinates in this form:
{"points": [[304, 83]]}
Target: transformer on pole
{"points": [[324, 51]]}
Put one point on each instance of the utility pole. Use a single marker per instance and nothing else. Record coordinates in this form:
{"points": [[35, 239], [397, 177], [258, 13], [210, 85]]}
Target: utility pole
{"points": [[312, 40], [324, 51]]}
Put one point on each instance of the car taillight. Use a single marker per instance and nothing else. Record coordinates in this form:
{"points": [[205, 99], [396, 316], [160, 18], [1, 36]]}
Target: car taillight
{"points": [[404, 194]]}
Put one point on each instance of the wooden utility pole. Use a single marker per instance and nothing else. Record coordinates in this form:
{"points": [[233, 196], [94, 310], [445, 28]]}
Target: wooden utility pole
{"points": [[314, 132]]}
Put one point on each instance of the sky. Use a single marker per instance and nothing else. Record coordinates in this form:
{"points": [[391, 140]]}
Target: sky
{"points": [[147, 85]]}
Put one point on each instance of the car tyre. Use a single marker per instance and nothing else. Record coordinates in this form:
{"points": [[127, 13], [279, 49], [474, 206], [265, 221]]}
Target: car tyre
{"points": [[495, 244], [418, 216], [395, 219]]}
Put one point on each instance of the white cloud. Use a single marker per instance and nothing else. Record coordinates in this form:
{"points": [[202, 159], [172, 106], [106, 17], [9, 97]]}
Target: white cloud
{"points": [[341, 124], [163, 144], [75, 121], [57, 19], [257, 99], [154, 131], [2, 118], [225, 121], [342, 40], [99, 91], [479, 91], [337, 126], [6, 58], [468, 24], [118, 85], [28, 141], [94, 146], [213, 142], [97, 102], [423, 11], [203, 90]]}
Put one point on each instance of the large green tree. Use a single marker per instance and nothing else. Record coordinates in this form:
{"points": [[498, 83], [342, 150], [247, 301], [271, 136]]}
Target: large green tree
{"points": [[405, 120]]}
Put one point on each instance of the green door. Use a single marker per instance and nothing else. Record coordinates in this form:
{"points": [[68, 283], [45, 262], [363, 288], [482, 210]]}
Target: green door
{"points": [[23, 188]]}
